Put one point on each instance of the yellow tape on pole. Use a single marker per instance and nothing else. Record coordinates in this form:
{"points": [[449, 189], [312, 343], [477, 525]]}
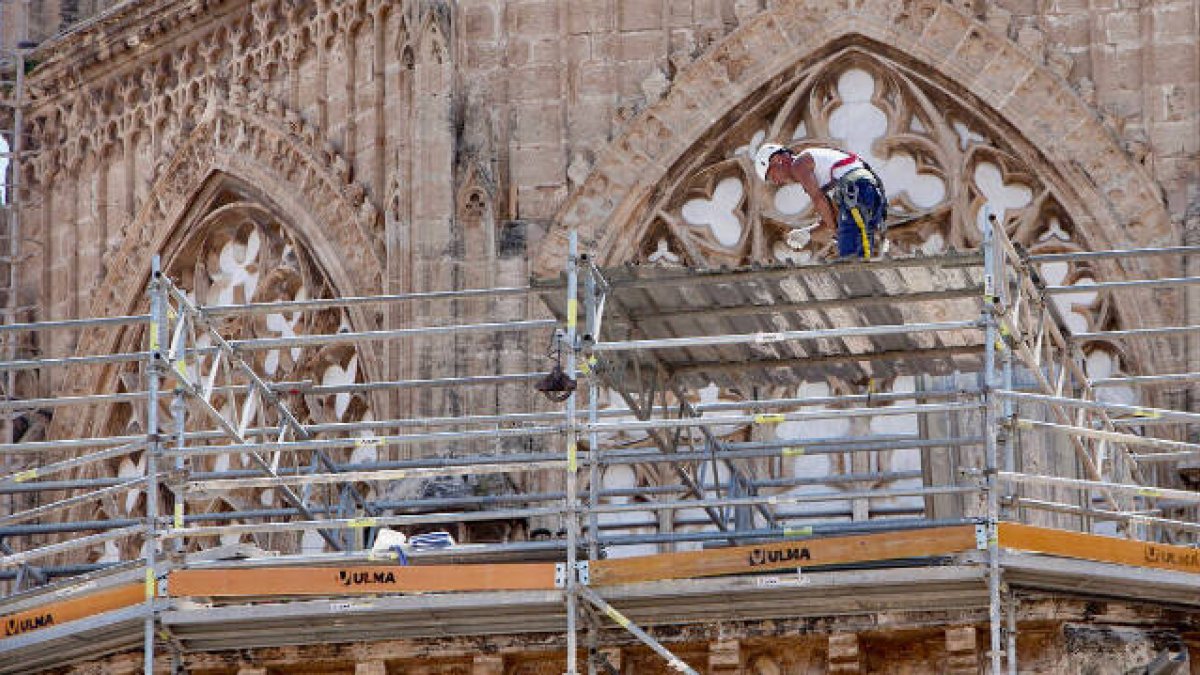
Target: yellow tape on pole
{"points": [[26, 475], [793, 451], [617, 616], [362, 522], [572, 457], [572, 313], [151, 585], [769, 419], [179, 516]]}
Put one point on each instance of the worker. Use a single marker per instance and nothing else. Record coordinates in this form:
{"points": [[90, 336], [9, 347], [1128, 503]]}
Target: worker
{"points": [[833, 179]]}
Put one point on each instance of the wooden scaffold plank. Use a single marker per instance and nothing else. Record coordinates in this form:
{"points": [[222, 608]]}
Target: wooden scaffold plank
{"points": [[359, 580], [785, 555], [71, 609], [1099, 548]]}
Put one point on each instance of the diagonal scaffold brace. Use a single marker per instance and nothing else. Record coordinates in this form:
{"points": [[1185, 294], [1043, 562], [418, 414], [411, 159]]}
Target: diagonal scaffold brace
{"points": [[624, 622], [189, 312]]}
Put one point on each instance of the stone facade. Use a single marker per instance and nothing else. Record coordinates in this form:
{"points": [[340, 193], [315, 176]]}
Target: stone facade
{"points": [[1056, 637], [388, 147], [525, 118], [281, 149]]}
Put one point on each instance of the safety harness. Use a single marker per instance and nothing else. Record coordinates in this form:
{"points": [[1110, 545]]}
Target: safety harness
{"points": [[847, 191]]}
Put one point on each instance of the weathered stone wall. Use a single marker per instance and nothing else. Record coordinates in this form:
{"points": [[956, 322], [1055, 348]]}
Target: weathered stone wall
{"points": [[421, 145], [532, 95], [1055, 636]]}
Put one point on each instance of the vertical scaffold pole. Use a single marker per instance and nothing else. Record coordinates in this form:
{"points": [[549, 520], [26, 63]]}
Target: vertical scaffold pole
{"points": [[1010, 463], [991, 335], [13, 200], [154, 371], [591, 311], [570, 346], [1012, 633], [179, 413], [592, 328]]}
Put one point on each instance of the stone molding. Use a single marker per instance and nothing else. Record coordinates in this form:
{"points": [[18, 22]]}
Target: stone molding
{"points": [[153, 67], [254, 147]]}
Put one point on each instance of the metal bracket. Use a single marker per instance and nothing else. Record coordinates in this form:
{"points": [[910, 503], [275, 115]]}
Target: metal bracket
{"points": [[583, 575], [981, 536]]}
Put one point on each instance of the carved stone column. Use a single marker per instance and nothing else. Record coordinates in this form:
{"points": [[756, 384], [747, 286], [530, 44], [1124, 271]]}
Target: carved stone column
{"points": [[725, 657], [961, 652], [844, 657]]}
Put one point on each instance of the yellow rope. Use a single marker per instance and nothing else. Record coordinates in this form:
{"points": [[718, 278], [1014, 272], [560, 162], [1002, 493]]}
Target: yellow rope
{"points": [[862, 228]]}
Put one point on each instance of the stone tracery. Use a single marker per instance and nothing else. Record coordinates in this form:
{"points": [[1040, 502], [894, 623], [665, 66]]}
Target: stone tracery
{"points": [[241, 252], [944, 170], [937, 161]]}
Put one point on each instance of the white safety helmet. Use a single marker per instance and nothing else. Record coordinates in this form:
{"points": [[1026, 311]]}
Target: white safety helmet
{"points": [[762, 158]]}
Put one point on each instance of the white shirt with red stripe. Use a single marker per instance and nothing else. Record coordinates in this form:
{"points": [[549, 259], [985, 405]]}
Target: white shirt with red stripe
{"points": [[830, 164]]}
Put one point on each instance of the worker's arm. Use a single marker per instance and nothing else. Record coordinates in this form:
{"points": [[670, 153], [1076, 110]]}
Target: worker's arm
{"points": [[803, 173]]}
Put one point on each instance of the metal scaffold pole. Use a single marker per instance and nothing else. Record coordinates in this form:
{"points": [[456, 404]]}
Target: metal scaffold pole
{"points": [[13, 189], [994, 279], [593, 307], [1009, 461], [570, 345], [179, 413], [154, 370]]}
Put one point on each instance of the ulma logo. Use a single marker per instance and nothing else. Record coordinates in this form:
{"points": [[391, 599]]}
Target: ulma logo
{"points": [[761, 556], [352, 578], [17, 625], [1166, 556]]}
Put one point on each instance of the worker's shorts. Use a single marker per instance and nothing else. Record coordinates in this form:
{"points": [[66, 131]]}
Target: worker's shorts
{"points": [[858, 188]]}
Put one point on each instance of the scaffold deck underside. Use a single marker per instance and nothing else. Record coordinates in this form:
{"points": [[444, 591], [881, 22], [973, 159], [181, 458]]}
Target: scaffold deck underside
{"points": [[776, 304]]}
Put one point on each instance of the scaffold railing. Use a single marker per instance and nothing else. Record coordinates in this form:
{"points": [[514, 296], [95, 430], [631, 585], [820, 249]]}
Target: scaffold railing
{"points": [[999, 386]]}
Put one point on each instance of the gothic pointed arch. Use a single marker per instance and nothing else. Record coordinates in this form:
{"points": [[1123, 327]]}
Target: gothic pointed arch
{"points": [[234, 244], [964, 117], [271, 161], [475, 213]]}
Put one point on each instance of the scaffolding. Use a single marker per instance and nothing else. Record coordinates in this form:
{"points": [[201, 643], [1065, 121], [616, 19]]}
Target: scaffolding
{"points": [[12, 149], [1003, 387]]}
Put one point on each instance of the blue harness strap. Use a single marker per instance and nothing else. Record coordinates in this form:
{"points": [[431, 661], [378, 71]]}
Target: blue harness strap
{"points": [[861, 208]]}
